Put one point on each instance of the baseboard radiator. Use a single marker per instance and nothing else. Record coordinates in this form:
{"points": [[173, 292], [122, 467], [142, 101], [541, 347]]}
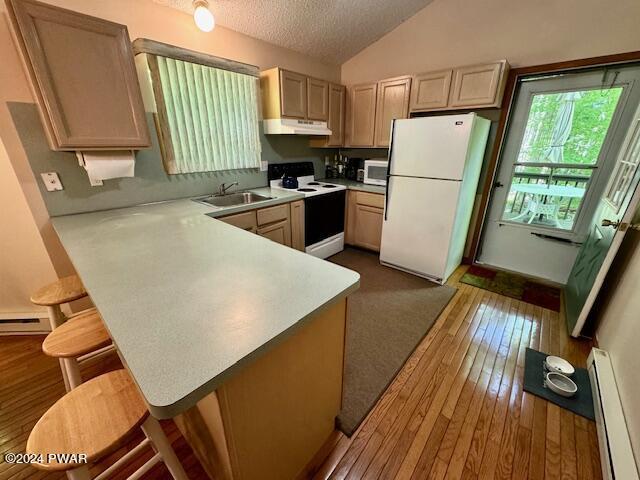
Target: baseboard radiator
{"points": [[616, 454]]}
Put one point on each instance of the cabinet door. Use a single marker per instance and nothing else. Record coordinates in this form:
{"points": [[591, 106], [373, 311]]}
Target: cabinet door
{"points": [[362, 115], [393, 102], [293, 94], [84, 77], [297, 225], [431, 90], [279, 232], [368, 227], [337, 94], [477, 86], [317, 99]]}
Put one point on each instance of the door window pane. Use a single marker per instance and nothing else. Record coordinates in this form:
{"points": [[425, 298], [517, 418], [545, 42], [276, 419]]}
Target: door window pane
{"points": [[560, 148]]}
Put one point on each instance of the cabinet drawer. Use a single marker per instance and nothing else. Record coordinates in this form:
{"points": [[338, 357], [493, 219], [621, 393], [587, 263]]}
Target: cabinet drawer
{"points": [[246, 220], [370, 199], [273, 214]]}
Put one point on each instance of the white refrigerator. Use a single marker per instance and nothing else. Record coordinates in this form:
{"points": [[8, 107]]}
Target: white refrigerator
{"points": [[434, 167]]}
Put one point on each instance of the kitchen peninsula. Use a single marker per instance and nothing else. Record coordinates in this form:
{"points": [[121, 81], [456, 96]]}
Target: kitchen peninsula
{"points": [[240, 339]]}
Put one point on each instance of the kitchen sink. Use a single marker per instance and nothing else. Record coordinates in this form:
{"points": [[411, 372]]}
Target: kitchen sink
{"points": [[232, 199]]}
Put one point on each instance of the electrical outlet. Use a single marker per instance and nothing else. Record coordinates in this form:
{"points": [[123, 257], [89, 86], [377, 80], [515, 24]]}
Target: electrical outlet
{"points": [[264, 166], [52, 181]]}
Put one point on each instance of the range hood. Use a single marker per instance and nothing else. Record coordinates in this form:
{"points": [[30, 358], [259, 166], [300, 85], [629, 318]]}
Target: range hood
{"points": [[291, 126]]}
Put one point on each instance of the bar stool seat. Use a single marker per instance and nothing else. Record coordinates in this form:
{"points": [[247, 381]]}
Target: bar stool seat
{"points": [[93, 418], [64, 290], [81, 334], [96, 419]]}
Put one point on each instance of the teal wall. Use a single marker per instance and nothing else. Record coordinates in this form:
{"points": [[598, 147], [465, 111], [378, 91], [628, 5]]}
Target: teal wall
{"points": [[151, 183]]}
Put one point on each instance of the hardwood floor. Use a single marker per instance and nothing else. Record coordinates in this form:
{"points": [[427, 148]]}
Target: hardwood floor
{"points": [[455, 410]]}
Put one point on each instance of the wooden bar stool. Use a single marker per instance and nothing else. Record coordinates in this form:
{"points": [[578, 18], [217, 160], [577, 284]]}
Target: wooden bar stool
{"points": [[61, 291], [52, 296], [96, 419], [82, 334]]}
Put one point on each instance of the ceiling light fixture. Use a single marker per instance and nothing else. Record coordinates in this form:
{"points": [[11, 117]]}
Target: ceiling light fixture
{"points": [[203, 16]]}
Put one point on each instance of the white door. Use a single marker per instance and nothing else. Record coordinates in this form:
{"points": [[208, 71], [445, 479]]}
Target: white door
{"points": [[419, 218], [616, 211], [563, 137], [431, 147]]}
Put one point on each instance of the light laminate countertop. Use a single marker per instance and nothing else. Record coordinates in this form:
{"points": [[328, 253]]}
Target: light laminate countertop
{"points": [[189, 299], [355, 185]]}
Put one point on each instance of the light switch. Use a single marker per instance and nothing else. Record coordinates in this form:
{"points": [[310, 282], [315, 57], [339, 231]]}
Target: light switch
{"points": [[264, 166], [52, 181]]}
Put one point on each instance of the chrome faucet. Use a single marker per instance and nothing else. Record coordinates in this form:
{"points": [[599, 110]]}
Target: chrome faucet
{"points": [[222, 190]]}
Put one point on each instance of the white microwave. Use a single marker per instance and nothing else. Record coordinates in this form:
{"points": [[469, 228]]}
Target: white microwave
{"points": [[375, 171]]}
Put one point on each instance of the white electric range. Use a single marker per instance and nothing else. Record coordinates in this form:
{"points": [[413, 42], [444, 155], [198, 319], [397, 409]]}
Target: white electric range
{"points": [[323, 207]]}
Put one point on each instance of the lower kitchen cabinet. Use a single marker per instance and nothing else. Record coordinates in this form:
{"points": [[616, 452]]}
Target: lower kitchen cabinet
{"points": [[364, 219], [246, 221], [297, 225], [282, 224], [279, 232]]}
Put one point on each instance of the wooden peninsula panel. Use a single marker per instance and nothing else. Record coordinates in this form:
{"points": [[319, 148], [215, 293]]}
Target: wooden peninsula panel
{"points": [[270, 419]]}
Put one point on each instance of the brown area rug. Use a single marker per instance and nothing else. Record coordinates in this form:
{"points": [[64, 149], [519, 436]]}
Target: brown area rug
{"points": [[388, 316]]}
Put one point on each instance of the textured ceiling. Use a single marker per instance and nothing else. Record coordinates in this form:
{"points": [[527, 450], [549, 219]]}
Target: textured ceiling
{"points": [[331, 30]]}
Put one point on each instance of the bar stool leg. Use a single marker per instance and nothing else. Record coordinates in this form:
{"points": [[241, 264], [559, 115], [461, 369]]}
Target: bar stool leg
{"points": [[72, 369], [56, 318], [152, 429], [80, 473]]}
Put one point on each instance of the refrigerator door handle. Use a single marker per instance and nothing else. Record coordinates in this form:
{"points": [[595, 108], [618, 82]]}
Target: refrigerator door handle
{"points": [[386, 187]]}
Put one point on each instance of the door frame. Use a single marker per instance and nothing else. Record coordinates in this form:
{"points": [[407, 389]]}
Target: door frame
{"points": [[516, 74]]}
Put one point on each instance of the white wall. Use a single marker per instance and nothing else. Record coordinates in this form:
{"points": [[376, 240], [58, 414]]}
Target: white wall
{"points": [[24, 262], [448, 33], [619, 330]]}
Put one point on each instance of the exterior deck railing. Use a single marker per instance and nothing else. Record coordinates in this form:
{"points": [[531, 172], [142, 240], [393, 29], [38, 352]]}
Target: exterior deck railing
{"points": [[568, 206]]}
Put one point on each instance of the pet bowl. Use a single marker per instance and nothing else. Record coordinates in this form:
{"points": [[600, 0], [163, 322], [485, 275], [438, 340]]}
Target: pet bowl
{"points": [[559, 365], [561, 385]]}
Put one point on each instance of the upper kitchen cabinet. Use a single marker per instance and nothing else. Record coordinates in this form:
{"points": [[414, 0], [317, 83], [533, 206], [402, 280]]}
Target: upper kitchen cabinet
{"points": [[83, 76], [478, 85], [317, 99], [361, 115], [392, 102], [336, 118], [293, 94], [288, 94], [431, 90]]}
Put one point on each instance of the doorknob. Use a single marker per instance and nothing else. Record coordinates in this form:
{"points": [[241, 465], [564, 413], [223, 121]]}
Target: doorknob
{"points": [[621, 225], [609, 223]]}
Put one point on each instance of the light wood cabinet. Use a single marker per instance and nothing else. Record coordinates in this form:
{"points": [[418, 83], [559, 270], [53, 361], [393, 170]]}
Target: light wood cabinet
{"points": [[361, 115], [246, 221], [392, 102], [293, 94], [287, 94], [83, 76], [478, 85], [431, 90], [336, 118], [364, 219], [297, 225], [279, 232], [317, 99], [275, 223]]}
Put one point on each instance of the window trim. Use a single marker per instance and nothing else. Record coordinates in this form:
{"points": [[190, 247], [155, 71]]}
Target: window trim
{"points": [[152, 47]]}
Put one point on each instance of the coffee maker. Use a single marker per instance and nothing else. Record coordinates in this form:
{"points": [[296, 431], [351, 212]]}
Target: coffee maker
{"points": [[351, 168]]}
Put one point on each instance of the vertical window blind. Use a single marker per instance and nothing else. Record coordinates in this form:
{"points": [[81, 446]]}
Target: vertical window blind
{"points": [[211, 117]]}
